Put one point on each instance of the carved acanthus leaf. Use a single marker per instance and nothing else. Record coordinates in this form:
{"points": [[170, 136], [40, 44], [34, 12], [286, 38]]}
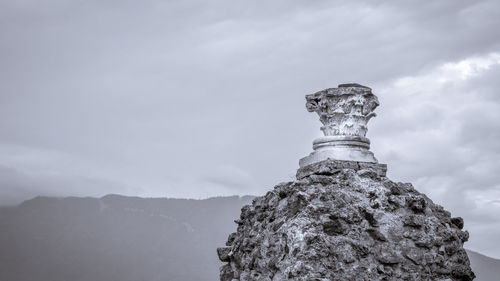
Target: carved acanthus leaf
{"points": [[345, 110]]}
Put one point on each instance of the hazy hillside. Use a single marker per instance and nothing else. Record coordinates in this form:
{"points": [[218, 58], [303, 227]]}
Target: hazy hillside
{"points": [[115, 238], [127, 239], [486, 268]]}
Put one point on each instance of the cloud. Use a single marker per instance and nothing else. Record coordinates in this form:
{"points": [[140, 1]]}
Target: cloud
{"points": [[153, 97], [237, 180], [17, 186], [26, 172], [439, 130]]}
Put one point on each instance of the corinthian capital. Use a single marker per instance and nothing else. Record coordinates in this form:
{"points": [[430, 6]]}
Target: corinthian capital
{"points": [[344, 111]]}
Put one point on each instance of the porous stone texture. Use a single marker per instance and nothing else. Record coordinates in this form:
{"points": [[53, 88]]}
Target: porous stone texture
{"points": [[345, 223], [331, 167]]}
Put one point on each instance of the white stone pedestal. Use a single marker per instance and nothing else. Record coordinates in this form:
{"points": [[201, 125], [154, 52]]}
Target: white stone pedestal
{"points": [[348, 148]]}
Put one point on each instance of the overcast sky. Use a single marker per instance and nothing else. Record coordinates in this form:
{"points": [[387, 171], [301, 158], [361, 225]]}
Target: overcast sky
{"points": [[205, 98]]}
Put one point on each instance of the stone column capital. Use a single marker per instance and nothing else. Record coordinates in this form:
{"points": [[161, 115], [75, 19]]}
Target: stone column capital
{"points": [[344, 112]]}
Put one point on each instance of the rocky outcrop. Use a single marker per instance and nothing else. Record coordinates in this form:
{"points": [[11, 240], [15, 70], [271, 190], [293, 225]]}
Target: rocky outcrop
{"points": [[344, 221]]}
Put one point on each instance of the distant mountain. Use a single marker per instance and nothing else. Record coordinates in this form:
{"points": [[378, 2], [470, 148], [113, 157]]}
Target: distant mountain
{"points": [[486, 268], [127, 239], [115, 238]]}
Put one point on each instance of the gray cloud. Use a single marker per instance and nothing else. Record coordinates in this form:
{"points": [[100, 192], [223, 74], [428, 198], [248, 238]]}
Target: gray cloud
{"points": [[153, 98], [18, 185], [445, 141]]}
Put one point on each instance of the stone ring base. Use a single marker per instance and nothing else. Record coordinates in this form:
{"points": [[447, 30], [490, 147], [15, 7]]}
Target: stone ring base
{"points": [[346, 141], [348, 148]]}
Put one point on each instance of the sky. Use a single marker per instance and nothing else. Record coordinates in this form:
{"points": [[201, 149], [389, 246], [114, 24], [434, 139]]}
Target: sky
{"points": [[197, 98]]}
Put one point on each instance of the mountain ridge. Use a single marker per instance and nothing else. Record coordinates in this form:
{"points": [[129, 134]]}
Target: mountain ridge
{"points": [[118, 237]]}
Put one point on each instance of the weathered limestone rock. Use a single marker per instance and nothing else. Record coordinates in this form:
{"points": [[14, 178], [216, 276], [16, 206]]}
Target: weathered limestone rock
{"points": [[345, 224], [331, 167], [345, 220], [344, 112]]}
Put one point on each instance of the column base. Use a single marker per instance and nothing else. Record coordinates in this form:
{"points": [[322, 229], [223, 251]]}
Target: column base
{"points": [[346, 148]]}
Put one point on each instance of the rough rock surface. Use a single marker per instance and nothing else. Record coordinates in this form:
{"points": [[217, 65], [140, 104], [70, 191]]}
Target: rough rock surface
{"points": [[349, 223]]}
